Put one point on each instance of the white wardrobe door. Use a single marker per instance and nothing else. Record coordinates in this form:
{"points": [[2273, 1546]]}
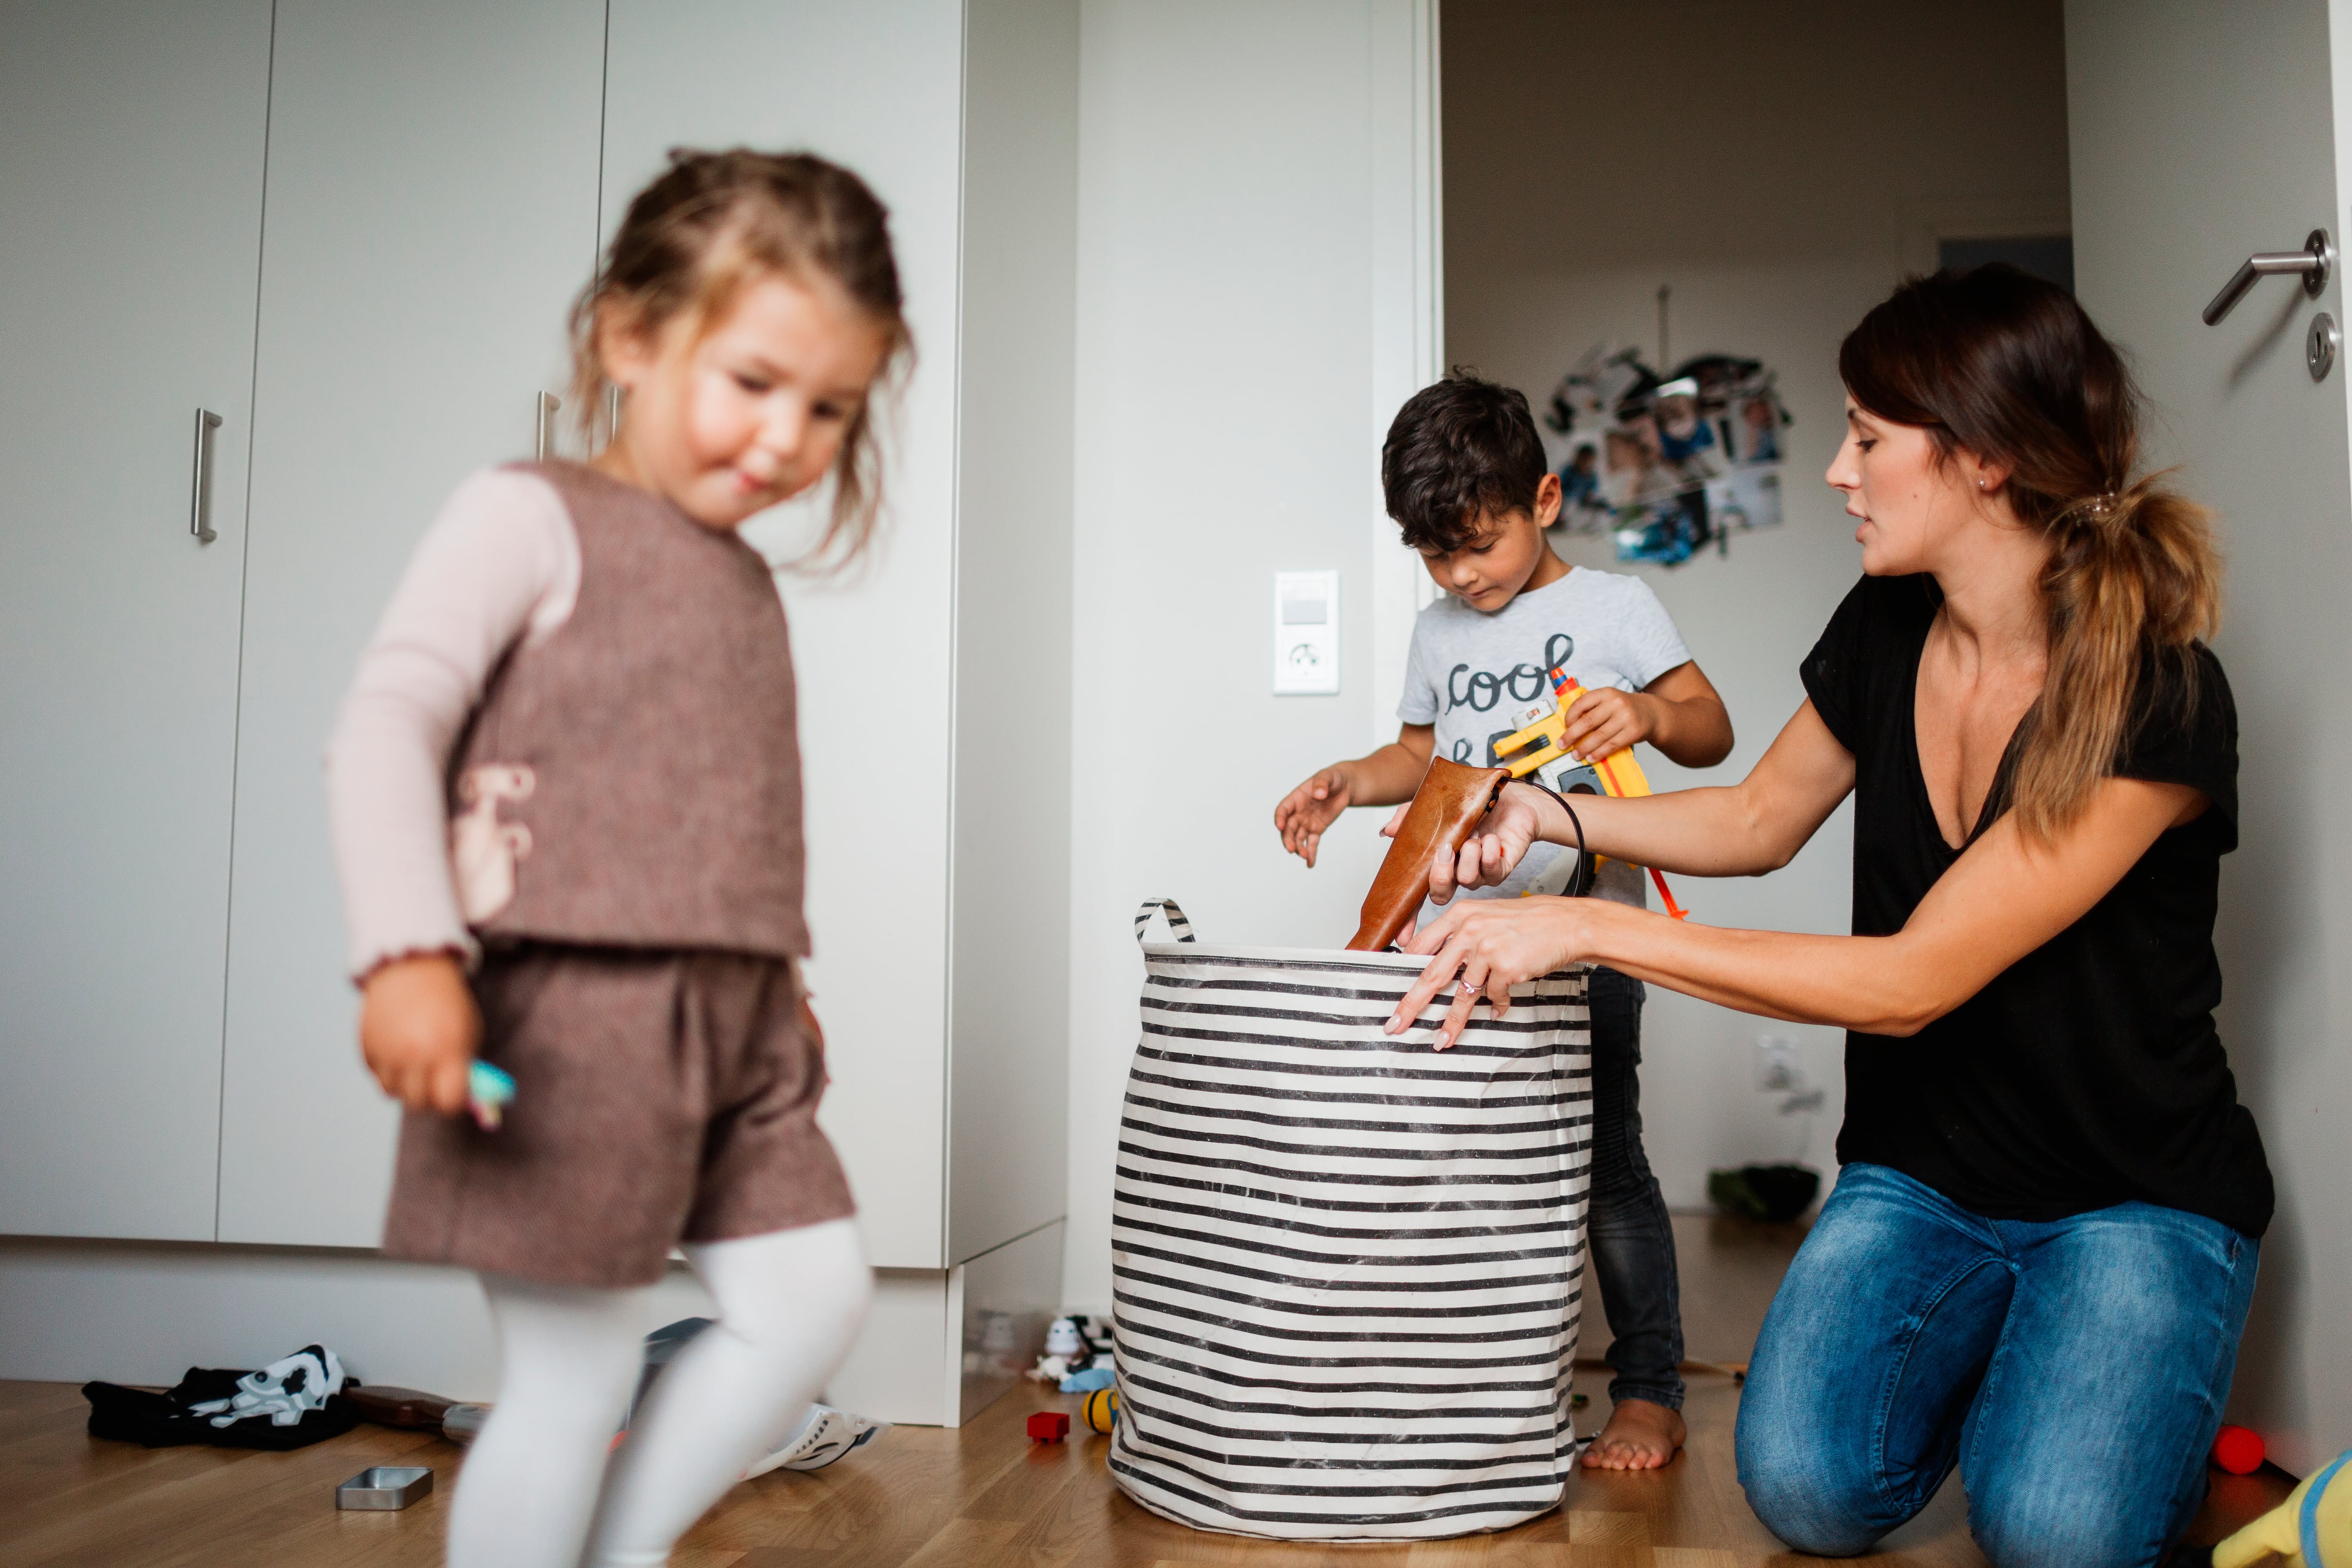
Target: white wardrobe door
{"points": [[876, 86], [130, 172], [433, 171]]}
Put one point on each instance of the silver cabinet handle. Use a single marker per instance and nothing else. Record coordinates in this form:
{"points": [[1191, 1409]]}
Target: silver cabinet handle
{"points": [[2315, 261], [200, 491], [545, 443]]}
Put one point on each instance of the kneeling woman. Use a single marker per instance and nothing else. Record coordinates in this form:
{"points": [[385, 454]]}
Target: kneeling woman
{"points": [[2039, 1253]]}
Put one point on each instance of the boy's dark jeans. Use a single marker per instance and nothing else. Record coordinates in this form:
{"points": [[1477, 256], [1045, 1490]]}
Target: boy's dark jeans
{"points": [[1633, 1242]]}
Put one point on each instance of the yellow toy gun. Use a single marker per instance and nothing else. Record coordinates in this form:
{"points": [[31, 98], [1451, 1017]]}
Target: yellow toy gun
{"points": [[1618, 774]]}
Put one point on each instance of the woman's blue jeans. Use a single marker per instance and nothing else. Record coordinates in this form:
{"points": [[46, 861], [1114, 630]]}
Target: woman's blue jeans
{"points": [[2074, 1370]]}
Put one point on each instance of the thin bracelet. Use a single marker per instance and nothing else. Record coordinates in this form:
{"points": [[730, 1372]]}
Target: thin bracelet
{"points": [[1575, 877]]}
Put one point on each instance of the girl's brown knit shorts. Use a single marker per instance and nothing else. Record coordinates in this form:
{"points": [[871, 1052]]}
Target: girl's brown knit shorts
{"points": [[660, 1098]]}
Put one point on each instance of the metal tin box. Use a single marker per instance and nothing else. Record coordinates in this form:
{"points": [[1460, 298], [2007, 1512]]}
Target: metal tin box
{"points": [[385, 1487]]}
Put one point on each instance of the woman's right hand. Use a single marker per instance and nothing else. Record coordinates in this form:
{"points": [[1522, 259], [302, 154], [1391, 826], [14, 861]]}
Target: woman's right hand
{"points": [[1494, 847], [418, 1030]]}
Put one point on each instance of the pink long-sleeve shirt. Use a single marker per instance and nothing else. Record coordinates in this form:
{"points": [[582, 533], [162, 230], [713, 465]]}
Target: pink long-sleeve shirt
{"points": [[500, 565]]}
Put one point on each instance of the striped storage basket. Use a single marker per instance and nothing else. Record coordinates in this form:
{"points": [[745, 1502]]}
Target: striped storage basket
{"points": [[1346, 1267]]}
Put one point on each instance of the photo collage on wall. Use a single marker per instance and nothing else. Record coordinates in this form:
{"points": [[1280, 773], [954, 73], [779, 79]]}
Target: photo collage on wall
{"points": [[1667, 466]]}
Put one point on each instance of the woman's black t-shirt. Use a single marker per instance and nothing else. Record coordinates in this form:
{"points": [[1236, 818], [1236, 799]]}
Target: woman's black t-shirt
{"points": [[2088, 1073]]}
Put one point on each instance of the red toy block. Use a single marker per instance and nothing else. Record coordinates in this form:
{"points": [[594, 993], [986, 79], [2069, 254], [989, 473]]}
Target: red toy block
{"points": [[1053, 1426], [2237, 1450]]}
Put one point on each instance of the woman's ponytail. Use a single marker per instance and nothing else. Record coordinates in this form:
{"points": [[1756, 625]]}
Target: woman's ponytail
{"points": [[2009, 368], [2134, 577]]}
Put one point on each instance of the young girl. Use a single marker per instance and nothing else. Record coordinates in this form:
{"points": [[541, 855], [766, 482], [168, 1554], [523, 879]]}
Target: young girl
{"points": [[568, 765]]}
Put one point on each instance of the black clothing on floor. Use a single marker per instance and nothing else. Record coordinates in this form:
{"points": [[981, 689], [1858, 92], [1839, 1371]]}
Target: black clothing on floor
{"points": [[166, 1420]]}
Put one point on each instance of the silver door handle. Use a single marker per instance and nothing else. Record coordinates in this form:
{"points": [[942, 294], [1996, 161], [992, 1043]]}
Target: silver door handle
{"points": [[200, 493], [2315, 261], [548, 405]]}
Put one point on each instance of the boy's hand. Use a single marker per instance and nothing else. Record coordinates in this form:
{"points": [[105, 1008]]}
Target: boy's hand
{"points": [[418, 1029], [1603, 722], [1311, 809]]}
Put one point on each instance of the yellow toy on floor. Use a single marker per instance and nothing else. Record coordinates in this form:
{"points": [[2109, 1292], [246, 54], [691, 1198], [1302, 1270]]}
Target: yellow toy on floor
{"points": [[2313, 1529]]}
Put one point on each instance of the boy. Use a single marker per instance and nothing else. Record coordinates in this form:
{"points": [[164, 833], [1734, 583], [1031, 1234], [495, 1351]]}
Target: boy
{"points": [[1464, 475]]}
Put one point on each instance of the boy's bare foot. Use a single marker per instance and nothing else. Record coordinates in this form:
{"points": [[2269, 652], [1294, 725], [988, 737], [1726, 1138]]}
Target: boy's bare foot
{"points": [[1641, 1436]]}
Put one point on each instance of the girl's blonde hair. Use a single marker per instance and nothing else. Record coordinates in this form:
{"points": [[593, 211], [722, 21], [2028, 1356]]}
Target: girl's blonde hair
{"points": [[2009, 367], [716, 221]]}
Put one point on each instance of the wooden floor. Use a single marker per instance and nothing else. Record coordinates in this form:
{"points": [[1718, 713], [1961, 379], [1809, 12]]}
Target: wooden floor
{"points": [[926, 1497]]}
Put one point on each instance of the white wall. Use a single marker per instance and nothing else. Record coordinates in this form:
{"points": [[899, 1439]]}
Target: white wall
{"points": [[2161, 205], [1778, 167], [878, 87], [1008, 979], [1234, 203]]}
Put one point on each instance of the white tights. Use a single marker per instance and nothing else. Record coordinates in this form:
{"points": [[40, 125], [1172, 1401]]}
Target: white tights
{"points": [[537, 1479]]}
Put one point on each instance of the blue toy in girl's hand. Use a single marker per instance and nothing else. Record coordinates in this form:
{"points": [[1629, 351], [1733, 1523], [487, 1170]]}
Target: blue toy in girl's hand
{"points": [[487, 1092]]}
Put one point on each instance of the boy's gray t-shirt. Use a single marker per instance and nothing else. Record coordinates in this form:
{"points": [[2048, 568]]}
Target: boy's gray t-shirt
{"points": [[1471, 670]]}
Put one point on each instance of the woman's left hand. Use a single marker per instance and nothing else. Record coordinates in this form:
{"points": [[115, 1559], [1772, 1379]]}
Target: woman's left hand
{"points": [[1490, 945]]}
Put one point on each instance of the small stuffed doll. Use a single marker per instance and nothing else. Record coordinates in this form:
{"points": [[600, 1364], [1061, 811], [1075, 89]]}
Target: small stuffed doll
{"points": [[1072, 1345], [2313, 1529]]}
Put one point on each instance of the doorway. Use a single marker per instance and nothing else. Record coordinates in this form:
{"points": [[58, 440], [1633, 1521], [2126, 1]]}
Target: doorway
{"points": [[1655, 184]]}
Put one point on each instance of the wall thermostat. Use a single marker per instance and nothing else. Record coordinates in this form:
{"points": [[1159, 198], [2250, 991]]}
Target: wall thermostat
{"points": [[1305, 634]]}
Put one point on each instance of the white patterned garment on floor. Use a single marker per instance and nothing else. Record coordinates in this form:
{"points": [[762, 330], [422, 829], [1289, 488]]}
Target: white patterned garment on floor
{"points": [[282, 1391]]}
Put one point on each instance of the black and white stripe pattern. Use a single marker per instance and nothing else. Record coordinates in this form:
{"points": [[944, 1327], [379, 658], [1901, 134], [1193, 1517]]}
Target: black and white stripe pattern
{"points": [[1177, 926], [1346, 1267]]}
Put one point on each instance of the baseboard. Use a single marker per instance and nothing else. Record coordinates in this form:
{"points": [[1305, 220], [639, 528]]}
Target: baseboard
{"points": [[144, 1313]]}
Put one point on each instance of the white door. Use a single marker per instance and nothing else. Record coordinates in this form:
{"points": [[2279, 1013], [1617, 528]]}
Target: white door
{"points": [[2202, 133], [130, 160], [880, 87], [433, 176]]}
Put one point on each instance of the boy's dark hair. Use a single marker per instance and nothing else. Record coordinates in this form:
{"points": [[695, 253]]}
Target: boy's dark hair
{"points": [[1458, 449]]}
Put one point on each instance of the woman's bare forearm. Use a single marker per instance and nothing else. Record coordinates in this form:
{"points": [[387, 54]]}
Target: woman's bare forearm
{"points": [[1739, 830], [1892, 986], [1879, 986], [1711, 832]]}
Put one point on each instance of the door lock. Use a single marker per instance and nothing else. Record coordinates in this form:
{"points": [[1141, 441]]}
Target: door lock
{"points": [[2319, 345]]}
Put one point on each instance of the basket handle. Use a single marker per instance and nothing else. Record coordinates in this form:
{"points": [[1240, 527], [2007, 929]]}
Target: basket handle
{"points": [[1177, 926]]}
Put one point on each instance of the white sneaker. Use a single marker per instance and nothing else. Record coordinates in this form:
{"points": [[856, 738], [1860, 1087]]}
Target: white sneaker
{"points": [[824, 1437]]}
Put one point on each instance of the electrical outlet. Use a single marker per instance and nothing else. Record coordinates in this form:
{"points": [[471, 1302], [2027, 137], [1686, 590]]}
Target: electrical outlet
{"points": [[1305, 634], [1778, 1068]]}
